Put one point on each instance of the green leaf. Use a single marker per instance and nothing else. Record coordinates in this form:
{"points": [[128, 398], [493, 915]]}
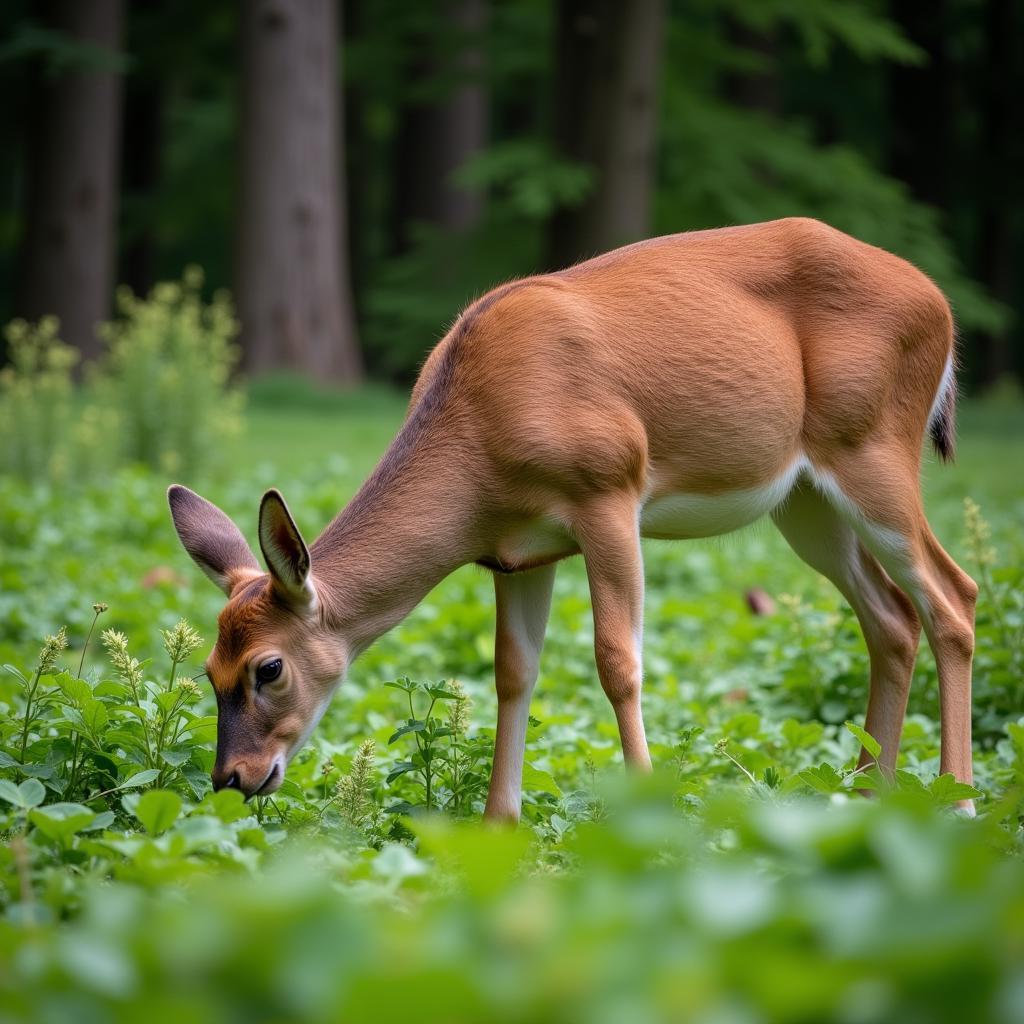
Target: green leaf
{"points": [[77, 691], [824, 779], [227, 804], [175, 758], [413, 725], [102, 820], [158, 810], [867, 741], [32, 793], [60, 822], [440, 693], [536, 780], [946, 790], [143, 778], [400, 769], [10, 792], [96, 716]]}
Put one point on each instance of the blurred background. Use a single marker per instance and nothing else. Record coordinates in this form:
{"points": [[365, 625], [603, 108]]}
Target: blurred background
{"points": [[355, 172]]}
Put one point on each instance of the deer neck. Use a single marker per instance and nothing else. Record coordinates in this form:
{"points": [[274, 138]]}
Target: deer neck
{"points": [[409, 526]]}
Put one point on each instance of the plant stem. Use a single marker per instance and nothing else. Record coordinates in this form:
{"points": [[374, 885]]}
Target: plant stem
{"points": [[28, 712], [174, 672], [19, 850], [85, 646], [73, 774]]}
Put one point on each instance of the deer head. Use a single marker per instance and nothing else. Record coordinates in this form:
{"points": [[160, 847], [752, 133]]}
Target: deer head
{"points": [[276, 663]]}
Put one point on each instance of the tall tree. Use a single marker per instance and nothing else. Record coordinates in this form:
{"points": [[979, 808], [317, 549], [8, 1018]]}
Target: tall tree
{"points": [[442, 125], [69, 241], [607, 59], [294, 293]]}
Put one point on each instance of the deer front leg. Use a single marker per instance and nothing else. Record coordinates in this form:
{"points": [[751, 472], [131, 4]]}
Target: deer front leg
{"points": [[609, 538], [523, 601]]}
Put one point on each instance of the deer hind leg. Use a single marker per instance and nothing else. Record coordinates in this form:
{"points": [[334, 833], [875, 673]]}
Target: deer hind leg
{"points": [[523, 601], [820, 536], [877, 491], [609, 537]]}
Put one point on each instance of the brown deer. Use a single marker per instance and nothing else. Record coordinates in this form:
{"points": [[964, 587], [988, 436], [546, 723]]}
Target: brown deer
{"points": [[679, 387]]}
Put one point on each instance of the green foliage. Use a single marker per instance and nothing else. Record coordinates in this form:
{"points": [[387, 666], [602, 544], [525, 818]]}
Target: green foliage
{"points": [[82, 737], [40, 435], [822, 25], [447, 769], [759, 911], [748, 878], [717, 162], [167, 373], [160, 394], [723, 163]]}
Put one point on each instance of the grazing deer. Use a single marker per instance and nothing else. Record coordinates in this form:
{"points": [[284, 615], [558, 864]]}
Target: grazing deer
{"points": [[680, 387]]}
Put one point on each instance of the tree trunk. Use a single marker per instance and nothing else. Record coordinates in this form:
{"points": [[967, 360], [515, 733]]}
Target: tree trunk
{"points": [[437, 137], [607, 63], [294, 295], [358, 165], [70, 227]]}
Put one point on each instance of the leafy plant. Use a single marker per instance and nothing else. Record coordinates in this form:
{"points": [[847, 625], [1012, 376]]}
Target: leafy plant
{"points": [[167, 373], [42, 434], [447, 765], [88, 739], [160, 394], [753, 844]]}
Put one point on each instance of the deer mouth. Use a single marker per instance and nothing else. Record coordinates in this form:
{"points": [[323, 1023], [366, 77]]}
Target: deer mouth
{"points": [[271, 782]]}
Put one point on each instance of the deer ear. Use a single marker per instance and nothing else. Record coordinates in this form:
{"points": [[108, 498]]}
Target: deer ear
{"points": [[214, 542], [284, 550]]}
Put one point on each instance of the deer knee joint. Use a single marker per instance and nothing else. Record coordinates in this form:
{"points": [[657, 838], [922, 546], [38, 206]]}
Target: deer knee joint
{"points": [[956, 635], [968, 591], [902, 637], [619, 669], [515, 675]]}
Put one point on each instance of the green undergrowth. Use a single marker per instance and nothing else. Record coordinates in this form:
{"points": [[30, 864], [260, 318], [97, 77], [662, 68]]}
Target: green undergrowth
{"points": [[750, 879]]}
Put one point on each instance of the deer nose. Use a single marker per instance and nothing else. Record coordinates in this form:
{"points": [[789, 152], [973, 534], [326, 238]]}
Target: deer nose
{"points": [[226, 780]]}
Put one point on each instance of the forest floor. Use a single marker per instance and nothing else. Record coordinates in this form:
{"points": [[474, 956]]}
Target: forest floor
{"points": [[746, 881]]}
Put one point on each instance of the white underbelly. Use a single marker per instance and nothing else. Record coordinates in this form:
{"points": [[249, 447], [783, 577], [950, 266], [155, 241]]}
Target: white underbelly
{"points": [[678, 516], [667, 517]]}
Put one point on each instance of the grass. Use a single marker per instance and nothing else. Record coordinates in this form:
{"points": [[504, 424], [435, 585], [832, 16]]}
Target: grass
{"points": [[746, 881]]}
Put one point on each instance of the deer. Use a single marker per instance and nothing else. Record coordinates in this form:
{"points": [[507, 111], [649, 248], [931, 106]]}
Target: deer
{"points": [[680, 387]]}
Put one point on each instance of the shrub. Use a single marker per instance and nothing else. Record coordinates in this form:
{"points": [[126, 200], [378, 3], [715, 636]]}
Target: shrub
{"points": [[167, 373], [160, 394], [35, 400]]}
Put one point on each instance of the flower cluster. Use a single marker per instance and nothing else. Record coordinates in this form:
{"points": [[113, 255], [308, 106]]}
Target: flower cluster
{"points": [[979, 534], [127, 667], [354, 792], [458, 709], [52, 646], [181, 641]]}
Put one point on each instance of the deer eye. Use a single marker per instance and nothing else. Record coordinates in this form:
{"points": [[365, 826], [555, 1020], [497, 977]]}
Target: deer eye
{"points": [[268, 672]]}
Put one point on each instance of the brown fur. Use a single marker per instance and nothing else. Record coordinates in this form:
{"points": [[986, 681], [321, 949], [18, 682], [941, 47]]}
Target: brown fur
{"points": [[701, 364]]}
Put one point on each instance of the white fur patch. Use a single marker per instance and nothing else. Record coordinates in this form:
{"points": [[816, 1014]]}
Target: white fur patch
{"points": [[944, 385], [887, 545], [876, 537], [683, 515]]}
